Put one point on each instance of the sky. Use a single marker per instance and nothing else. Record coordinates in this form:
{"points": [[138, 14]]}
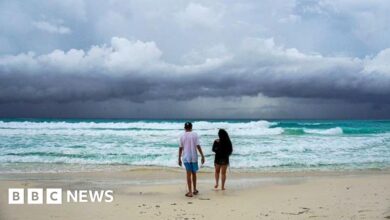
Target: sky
{"points": [[270, 59]]}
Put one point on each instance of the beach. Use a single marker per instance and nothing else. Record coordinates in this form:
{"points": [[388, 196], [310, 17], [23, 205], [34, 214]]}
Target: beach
{"points": [[158, 193], [130, 110], [279, 169]]}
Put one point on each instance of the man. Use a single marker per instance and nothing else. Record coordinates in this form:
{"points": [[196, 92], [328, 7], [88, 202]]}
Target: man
{"points": [[189, 143]]}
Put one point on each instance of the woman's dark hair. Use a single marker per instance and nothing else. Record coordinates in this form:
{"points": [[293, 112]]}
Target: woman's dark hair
{"points": [[224, 141]]}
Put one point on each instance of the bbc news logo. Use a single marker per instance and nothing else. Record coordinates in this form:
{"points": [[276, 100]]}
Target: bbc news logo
{"points": [[55, 196]]}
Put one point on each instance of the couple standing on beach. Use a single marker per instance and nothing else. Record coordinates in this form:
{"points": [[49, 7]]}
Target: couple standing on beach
{"points": [[189, 144]]}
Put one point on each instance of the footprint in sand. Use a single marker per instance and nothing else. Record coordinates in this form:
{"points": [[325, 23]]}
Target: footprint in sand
{"points": [[305, 210]]}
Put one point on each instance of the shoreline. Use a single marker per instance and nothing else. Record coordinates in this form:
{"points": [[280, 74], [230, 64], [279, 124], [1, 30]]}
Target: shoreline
{"points": [[162, 176], [31, 168]]}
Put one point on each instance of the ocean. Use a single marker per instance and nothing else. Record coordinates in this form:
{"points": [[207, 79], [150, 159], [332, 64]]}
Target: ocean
{"points": [[36, 145]]}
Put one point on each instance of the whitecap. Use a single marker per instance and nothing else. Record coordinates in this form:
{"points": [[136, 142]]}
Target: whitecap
{"points": [[330, 131]]}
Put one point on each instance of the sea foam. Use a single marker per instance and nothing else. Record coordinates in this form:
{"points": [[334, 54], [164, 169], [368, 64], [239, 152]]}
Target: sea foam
{"points": [[330, 131], [257, 144]]}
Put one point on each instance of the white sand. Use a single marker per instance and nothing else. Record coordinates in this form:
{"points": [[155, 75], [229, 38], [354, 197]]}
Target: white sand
{"points": [[316, 195]]}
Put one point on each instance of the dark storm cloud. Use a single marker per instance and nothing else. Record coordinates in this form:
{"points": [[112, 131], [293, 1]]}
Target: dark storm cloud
{"points": [[332, 53], [135, 71]]}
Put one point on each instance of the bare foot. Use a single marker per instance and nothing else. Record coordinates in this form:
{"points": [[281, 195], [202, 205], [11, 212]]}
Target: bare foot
{"points": [[216, 187], [223, 188]]}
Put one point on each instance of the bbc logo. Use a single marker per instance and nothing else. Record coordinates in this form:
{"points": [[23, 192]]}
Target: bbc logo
{"points": [[55, 195], [34, 196]]}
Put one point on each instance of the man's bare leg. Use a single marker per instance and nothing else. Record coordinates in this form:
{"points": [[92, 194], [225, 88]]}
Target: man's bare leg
{"points": [[194, 181], [189, 184]]}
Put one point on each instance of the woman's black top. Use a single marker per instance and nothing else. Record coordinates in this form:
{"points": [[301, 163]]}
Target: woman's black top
{"points": [[222, 153]]}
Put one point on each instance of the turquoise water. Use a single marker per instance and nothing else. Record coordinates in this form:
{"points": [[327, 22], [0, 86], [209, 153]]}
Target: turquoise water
{"points": [[258, 144]]}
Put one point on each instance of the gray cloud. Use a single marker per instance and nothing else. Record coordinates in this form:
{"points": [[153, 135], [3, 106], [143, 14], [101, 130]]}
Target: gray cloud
{"points": [[51, 28], [223, 108], [134, 70], [141, 52]]}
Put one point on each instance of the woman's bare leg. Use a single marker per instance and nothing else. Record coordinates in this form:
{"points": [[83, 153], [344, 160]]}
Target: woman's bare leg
{"points": [[223, 175], [217, 171]]}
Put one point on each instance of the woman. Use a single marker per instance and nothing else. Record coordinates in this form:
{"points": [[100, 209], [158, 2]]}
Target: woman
{"points": [[222, 148]]}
